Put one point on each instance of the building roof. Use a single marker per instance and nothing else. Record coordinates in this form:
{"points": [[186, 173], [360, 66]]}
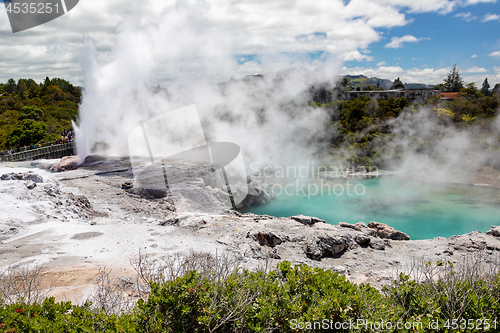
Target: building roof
{"points": [[450, 95]]}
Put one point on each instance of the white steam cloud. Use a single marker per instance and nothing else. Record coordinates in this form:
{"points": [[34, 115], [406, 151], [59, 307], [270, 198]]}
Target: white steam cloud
{"points": [[427, 145], [267, 116]]}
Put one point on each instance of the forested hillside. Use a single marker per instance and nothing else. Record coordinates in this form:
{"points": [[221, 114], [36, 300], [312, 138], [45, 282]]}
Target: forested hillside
{"points": [[368, 132], [32, 113]]}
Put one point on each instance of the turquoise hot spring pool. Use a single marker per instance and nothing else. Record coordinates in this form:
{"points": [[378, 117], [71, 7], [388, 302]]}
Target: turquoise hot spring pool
{"points": [[421, 209]]}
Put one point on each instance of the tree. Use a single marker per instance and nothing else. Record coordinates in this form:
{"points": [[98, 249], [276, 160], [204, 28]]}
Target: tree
{"points": [[454, 81], [27, 132], [470, 92], [11, 86], [21, 90], [439, 87], [485, 89], [45, 86], [496, 89], [397, 84], [30, 112], [372, 88], [345, 85]]}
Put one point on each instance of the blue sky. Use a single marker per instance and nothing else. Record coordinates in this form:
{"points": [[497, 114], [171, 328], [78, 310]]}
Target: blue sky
{"points": [[468, 36], [444, 39], [418, 41]]}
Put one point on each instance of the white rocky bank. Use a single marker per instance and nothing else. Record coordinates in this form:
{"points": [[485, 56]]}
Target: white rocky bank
{"points": [[77, 221]]}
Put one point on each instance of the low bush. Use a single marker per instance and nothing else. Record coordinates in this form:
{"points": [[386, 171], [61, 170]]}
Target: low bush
{"points": [[202, 293]]}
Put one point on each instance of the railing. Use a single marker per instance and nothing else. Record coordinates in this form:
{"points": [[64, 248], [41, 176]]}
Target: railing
{"points": [[55, 151]]}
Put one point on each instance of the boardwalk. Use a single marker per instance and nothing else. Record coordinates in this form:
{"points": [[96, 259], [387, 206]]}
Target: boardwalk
{"points": [[56, 151]]}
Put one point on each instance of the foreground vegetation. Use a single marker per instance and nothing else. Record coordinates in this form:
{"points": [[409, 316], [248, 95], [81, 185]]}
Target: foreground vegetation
{"points": [[202, 293], [33, 113]]}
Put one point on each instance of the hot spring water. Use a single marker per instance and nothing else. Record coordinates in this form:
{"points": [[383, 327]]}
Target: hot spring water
{"points": [[420, 209]]}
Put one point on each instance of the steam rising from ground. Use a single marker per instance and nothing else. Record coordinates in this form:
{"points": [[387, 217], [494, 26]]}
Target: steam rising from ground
{"points": [[426, 144], [267, 116]]}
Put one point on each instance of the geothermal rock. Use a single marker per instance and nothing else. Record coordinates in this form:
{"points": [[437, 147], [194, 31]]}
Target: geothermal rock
{"points": [[127, 185], [259, 192], [384, 231], [379, 244], [325, 246], [191, 188], [30, 184], [65, 164], [470, 242], [267, 239], [307, 220], [494, 231], [93, 159], [30, 176], [362, 240]]}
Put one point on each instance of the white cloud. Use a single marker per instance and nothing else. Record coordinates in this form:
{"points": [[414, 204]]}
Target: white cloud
{"points": [[496, 78], [466, 16], [475, 2], [491, 17], [397, 42], [475, 69], [423, 6], [494, 54], [382, 63], [210, 34], [474, 56]]}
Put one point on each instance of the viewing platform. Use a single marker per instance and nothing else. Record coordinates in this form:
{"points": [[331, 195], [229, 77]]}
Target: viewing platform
{"points": [[47, 152]]}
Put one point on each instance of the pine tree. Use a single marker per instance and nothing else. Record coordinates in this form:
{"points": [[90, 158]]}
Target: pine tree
{"points": [[454, 81], [485, 89]]}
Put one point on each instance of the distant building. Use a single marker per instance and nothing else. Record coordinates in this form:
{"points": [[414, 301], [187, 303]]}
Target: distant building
{"points": [[410, 94], [449, 96]]}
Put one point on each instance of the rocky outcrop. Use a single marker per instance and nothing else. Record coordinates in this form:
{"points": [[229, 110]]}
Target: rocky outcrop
{"points": [[387, 232], [65, 164], [91, 159], [266, 239], [494, 231], [307, 220], [29, 176], [358, 226], [195, 188], [375, 235], [295, 238], [325, 246]]}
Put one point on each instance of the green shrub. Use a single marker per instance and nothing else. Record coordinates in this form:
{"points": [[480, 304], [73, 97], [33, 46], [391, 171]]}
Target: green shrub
{"points": [[443, 294], [210, 295], [60, 317]]}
